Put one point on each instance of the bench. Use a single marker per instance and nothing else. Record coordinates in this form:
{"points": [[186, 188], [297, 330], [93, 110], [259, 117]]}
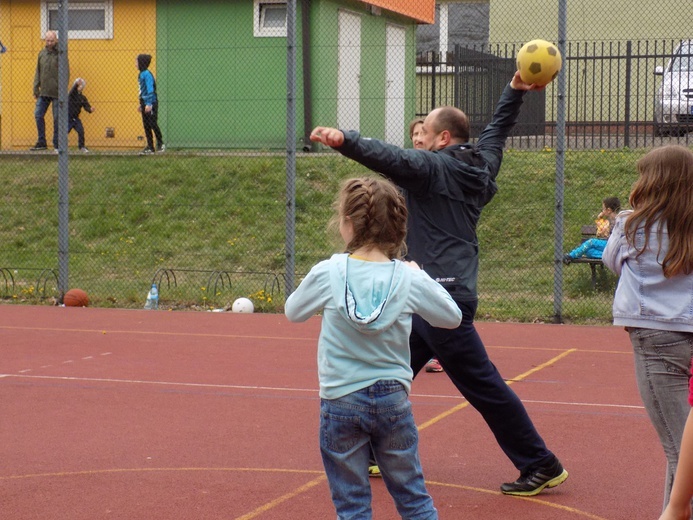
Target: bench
{"points": [[587, 232], [593, 263]]}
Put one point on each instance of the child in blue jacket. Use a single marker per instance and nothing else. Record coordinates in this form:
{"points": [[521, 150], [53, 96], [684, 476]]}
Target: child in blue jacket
{"points": [[149, 105], [594, 247]]}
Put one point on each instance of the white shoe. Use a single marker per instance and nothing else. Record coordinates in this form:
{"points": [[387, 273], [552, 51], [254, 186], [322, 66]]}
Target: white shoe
{"points": [[84, 149]]}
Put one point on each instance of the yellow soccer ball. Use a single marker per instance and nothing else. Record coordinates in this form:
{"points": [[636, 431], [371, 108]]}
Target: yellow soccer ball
{"points": [[539, 62]]}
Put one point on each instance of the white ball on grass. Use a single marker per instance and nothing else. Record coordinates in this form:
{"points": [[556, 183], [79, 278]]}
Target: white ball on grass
{"points": [[243, 305]]}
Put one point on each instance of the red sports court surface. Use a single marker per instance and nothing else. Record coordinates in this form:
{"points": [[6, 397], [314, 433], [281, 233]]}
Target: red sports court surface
{"points": [[124, 414]]}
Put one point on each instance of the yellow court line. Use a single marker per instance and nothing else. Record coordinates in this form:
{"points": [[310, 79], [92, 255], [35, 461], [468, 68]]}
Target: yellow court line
{"points": [[155, 470], [561, 349], [528, 499], [311, 339], [542, 366], [155, 333], [292, 494], [320, 479], [274, 503], [460, 406]]}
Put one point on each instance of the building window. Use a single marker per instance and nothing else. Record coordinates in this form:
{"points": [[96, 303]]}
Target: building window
{"points": [[88, 19], [269, 18]]}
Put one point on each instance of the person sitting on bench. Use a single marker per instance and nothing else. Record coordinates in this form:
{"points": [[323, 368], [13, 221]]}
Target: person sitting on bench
{"points": [[593, 247]]}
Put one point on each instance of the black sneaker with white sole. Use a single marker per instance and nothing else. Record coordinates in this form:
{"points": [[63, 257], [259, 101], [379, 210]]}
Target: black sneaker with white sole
{"points": [[534, 481]]}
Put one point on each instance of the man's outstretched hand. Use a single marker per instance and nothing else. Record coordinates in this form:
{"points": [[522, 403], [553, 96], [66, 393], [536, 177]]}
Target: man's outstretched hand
{"points": [[518, 84], [328, 136]]}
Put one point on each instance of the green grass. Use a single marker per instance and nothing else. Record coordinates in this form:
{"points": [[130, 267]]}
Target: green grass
{"points": [[211, 228]]}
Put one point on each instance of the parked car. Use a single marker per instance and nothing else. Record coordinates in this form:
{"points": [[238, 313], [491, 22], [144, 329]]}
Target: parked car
{"points": [[673, 110]]}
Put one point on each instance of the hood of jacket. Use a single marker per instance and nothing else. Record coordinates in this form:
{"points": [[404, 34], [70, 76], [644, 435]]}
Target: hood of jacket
{"points": [[143, 61], [370, 296]]}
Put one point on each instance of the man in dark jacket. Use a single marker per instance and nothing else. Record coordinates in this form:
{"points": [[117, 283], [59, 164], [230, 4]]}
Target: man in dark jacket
{"points": [[446, 186], [46, 90]]}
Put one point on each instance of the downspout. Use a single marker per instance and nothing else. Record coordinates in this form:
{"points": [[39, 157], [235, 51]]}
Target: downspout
{"points": [[308, 145]]}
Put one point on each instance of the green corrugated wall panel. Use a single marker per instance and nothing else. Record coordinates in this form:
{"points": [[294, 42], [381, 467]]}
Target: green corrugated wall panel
{"points": [[220, 86]]}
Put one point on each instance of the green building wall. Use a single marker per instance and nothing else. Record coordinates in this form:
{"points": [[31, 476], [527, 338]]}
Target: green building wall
{"points": [[221, 87], [373, 88]]}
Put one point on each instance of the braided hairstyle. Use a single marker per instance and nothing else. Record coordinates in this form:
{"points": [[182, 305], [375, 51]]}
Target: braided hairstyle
{"points": [[377, 212]]}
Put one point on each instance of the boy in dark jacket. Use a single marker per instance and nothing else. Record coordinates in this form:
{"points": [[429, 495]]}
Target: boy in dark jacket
{"points": [[76, 101], [149, 105]]}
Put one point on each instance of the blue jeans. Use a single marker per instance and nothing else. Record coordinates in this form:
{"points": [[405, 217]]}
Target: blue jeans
{"points": [[380, 416], [40, 110], [464, 358], [76, 123], [662, 370]]}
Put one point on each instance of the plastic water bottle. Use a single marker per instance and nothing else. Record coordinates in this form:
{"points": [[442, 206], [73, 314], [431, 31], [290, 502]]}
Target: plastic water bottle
{"points": [[152, 302]]}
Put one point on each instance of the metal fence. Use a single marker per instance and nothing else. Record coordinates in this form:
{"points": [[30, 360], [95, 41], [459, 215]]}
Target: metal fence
{"points": [[238, 203], [612, 92]]}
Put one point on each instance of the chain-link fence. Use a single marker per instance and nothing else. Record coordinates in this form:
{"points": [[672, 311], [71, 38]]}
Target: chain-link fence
{"points": [[237, 204]]}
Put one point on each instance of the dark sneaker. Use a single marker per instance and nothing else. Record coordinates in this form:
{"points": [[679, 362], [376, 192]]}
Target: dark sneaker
{"points": [[161, 148], [534, 481], [38, 148], [147, 151], [567, 259]]}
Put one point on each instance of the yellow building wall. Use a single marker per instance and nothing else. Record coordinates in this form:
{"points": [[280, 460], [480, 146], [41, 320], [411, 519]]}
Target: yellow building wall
{"points": [[108, 66]]}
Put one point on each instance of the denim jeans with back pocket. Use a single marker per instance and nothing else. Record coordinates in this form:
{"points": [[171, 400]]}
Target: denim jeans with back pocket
{"points": [[379, 415]]}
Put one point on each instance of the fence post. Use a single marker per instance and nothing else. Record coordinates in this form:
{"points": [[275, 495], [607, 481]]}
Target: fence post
{"points": [[63, 170], [290, 240], [560, 169], [626, 115], [433, 80]]}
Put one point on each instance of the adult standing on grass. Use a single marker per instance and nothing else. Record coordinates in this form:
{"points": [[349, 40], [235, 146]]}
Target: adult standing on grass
{"points": [[149, 105], [651, 249], [46, 90], [447, 184]]}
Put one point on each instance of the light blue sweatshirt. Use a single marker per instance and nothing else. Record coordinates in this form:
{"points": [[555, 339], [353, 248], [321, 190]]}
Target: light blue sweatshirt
{"points": [[644, 297], [367, 309]]}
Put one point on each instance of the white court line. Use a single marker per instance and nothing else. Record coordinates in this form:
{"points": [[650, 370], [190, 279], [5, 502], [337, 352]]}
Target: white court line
{"points": [[304, 390]]}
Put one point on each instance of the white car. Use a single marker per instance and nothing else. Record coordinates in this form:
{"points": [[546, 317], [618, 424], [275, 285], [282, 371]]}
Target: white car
{"points": [[673, 110]]}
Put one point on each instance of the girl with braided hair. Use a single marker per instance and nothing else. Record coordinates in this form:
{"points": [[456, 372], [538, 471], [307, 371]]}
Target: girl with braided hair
{"points": [[367, 296]]}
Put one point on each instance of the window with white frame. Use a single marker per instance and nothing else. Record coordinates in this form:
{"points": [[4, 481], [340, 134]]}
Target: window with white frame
{"points": [[87, 20], [269, 18]]}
